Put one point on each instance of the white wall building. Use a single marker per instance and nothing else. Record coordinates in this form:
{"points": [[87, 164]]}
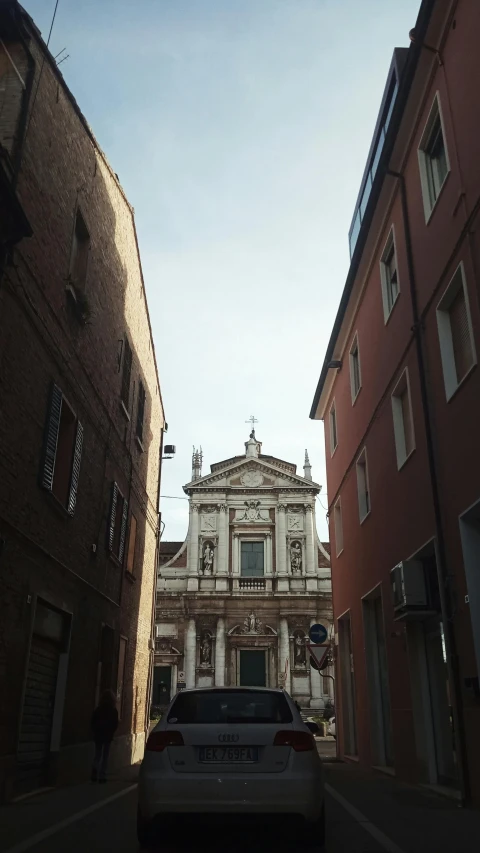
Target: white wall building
{"points": [[235, 601]]}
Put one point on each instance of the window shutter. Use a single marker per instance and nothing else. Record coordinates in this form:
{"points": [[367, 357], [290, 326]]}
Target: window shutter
{"points": [[77, 458], [123, 531], [141, 410], [113, 513], [51, 438], [462, 344]]}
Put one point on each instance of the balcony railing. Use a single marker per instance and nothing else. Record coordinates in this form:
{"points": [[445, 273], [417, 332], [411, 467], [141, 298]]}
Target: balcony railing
{"points": [[252, 583]]}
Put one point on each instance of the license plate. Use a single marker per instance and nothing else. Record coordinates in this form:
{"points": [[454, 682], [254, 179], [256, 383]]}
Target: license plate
{"points": [[231, 754]]}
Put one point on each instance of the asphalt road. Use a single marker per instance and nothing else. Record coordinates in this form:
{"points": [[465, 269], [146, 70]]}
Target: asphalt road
{"points": [[112, 828]]}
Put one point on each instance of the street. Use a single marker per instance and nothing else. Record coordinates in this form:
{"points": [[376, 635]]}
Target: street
{"points": [[366, 813], [112, 827]]}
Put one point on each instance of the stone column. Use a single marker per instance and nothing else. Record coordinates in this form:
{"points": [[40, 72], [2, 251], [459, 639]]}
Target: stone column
{"points": [[284, 653], [190, 653], [222, 550], [193, 550], [268, 554], [220, 653], [315, 682]]}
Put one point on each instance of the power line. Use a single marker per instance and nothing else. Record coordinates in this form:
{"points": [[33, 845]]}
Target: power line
{"points": [[41, 68], [174, 498]]}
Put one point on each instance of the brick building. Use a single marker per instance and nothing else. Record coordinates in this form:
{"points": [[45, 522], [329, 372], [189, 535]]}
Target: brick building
{"points": [[81, 425], [399, 393], [236, 599]]}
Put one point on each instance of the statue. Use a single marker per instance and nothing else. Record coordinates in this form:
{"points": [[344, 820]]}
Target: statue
{"points": [[296, 558], [208, 560], [206, 651], [299, 650], [252, 625]]}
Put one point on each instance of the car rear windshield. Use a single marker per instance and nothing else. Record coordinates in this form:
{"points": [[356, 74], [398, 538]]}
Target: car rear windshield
{"points": [[218, 706]]}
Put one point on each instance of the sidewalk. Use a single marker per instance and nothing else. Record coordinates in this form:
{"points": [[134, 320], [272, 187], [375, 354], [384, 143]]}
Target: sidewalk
{"points": [[26, 817], [415, 819]]}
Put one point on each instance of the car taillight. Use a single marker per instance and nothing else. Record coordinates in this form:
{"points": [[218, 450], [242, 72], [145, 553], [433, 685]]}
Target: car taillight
{"points": [[299, 741], [158, 741]]}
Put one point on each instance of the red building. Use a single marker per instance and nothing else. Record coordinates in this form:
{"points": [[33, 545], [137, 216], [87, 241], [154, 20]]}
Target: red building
{"points": [[399, 392], [81, 425]]}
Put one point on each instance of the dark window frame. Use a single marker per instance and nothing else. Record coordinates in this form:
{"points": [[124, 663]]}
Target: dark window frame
{"points": [[53, 425]]}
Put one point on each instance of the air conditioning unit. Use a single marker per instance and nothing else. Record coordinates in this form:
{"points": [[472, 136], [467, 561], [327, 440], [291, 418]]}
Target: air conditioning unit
{"points": [[410, 591]]}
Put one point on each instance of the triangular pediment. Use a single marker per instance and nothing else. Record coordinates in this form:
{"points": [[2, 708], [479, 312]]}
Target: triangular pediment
{"points": [[252, 473]]}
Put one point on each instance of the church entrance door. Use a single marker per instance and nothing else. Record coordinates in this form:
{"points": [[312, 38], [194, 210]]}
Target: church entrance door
{"points": [[253, 668]]}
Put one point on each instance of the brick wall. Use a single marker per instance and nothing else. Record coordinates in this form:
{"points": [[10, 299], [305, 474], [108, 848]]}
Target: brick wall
{"points": [[65, 560]]}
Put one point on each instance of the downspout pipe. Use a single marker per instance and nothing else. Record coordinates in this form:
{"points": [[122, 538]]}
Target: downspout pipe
{"points": [[22, 124], [444, 579], [154, 599]]}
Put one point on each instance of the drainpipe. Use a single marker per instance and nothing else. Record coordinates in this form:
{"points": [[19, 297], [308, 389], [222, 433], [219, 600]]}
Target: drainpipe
{"points": [[154, 599], [444, 578], [22, 124]]}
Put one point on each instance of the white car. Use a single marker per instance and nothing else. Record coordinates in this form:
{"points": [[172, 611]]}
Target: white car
{"points": [[232, 751]]}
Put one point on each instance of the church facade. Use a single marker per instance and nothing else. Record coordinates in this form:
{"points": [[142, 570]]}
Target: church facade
{"points": [[236, 599]]}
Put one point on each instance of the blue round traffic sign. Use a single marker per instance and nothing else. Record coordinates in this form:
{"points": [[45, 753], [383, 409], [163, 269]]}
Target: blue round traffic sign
{"points": [[318, 633]]}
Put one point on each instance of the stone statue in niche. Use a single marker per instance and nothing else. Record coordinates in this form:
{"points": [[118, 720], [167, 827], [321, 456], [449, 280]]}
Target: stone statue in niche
{"points": [[296, 558], [207, 561], [299, 655], [252, 625], [206, 651]]}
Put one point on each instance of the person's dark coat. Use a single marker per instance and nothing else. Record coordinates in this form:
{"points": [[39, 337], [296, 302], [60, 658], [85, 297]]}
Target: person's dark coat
{"points": [[104, 723]]}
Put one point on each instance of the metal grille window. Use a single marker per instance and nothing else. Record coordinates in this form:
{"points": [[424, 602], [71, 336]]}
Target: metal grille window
{"points": [[362, 486], [252, 564], [457, 345], [141, 410], [60, 471], [333, 429], [433, 159], [355, 376], [117, 526], [126, 374]]}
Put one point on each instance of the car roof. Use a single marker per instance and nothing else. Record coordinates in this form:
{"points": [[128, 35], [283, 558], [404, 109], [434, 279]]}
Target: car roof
{"points": [[218, 689]]}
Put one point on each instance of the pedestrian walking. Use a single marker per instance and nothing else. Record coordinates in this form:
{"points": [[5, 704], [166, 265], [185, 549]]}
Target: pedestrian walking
{"points": [[104, 725]]}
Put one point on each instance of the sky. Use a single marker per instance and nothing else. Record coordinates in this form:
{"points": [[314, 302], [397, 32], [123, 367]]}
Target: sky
{"points": [[239, 130]]}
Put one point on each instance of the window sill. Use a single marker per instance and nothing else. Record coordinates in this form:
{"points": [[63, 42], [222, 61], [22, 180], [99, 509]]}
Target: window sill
{"points": [[429, 213], [139, 444], [401, 465], [58, 506], [392, 309], [130, 576], [339, 554], [125, 410], [462, 381], [354, 399]]}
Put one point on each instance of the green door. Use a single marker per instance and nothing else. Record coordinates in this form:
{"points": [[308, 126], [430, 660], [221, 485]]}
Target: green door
{"points": [[253, 670], [162, 685]]}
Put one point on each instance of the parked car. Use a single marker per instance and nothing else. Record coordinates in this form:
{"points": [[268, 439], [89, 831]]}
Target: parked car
{"points": [[232, 751], [331, 730]]}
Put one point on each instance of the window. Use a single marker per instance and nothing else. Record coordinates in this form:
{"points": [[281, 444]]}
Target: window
{"points": [[389, 276], [338, 524], [455, 333], [132, 538], [62, 453], [80, 252], [355, 376], [252, 565], [122, 658], [117, 526], [140, 410], [333, 429], [362, 486], [230, 706], [433, 159], [403, 420], [126, 374]]}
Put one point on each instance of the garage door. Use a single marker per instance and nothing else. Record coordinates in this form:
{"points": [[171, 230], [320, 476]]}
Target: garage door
{"points": [[36, 725]]}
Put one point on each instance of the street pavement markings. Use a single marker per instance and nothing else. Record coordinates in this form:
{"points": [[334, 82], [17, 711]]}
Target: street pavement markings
{"points": [[52, 830], [376, 833]]}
